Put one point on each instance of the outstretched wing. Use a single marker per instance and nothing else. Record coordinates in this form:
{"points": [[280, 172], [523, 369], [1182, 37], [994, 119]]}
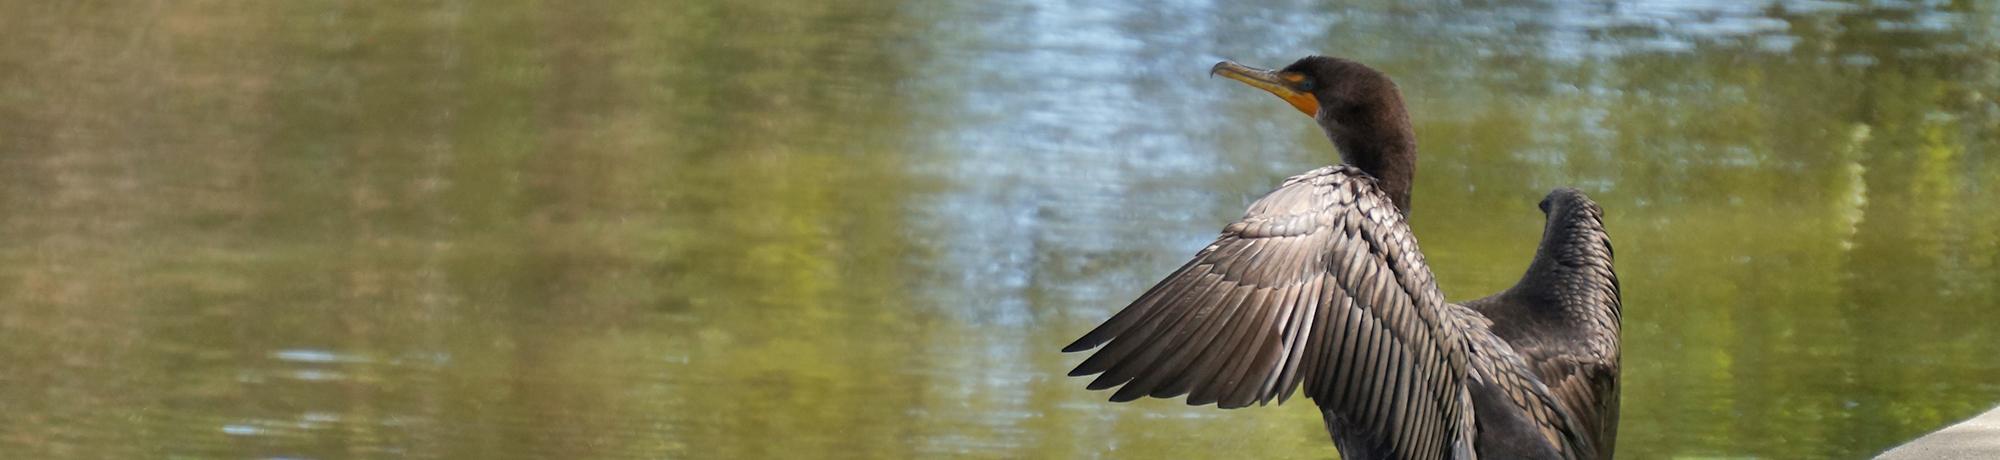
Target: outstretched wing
{"points": [[1587, 386], [1585, 380], [1563, 317], [1511, 403], [1320, 284]]}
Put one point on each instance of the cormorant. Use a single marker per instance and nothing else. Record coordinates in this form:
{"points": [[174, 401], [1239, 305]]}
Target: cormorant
{"points": [[1321, 284]]}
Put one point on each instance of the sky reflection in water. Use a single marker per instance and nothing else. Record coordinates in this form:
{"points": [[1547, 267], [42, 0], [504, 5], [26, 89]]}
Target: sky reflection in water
{"points": [[862, 229]]}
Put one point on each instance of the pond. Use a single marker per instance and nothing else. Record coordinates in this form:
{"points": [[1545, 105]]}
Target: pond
{"points": [[863, 229]]}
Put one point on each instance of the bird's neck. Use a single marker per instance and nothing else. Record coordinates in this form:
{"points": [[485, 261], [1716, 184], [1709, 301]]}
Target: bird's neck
{"points": [[1384, 148]]}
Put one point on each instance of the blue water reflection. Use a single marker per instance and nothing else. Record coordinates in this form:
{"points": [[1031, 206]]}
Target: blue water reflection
{"points": [[862, 229]]}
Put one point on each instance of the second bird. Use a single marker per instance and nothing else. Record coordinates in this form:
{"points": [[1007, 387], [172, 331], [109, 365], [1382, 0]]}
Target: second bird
{"points": [[1321, 285]]}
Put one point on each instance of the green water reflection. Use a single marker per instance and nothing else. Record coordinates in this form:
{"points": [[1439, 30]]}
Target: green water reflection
{"points": [[772, 229]]}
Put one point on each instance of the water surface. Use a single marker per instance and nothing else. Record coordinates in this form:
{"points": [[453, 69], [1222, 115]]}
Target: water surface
{"points": [[862, 229]]}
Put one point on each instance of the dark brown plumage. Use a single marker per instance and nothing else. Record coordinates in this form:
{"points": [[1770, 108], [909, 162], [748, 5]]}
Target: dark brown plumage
{"points": [[1322, 285], [1563, 316]]}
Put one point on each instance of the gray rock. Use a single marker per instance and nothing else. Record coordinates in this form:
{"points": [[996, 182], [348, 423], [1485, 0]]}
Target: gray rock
{"points": [[1978, 438]]}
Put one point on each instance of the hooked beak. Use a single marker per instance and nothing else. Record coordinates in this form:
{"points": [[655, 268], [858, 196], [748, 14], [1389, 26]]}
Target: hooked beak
{"points": [[1281, 84]]}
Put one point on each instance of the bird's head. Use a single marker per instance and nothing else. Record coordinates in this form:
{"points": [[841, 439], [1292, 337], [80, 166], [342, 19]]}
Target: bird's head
{"points": [[1339, 93], [1359, 108]]}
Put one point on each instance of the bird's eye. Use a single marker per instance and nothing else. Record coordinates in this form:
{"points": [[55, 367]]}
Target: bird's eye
{"points": [[1306, 85]]}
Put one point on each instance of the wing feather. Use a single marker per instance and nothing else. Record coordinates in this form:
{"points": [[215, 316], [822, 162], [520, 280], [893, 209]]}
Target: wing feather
{"points": [[1561, 321], [1319, 286]]}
